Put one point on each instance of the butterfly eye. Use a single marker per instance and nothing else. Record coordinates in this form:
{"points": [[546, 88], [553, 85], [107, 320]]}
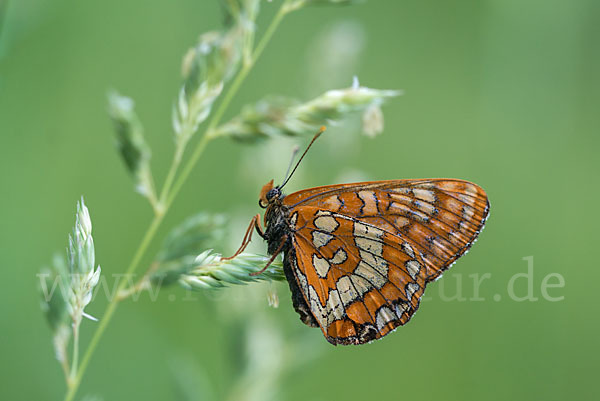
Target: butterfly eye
{"points": [[275, 192]]}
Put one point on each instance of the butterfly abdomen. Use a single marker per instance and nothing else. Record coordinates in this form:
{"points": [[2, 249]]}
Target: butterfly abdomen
{"points": [[300, 305]]}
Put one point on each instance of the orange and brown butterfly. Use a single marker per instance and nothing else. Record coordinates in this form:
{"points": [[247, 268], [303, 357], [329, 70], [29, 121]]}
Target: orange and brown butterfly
{"points": [[358, 257]]}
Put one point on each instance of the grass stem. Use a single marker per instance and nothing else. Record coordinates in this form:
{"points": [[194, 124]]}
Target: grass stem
{"points": [[112, 306], [168, 195], [75, 353]]}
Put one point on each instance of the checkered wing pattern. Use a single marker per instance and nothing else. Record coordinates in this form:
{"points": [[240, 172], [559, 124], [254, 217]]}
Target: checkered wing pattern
{"points": [[365, 252]]}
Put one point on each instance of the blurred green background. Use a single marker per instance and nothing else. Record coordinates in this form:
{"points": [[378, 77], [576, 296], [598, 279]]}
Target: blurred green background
{"points": [[501, 92]]}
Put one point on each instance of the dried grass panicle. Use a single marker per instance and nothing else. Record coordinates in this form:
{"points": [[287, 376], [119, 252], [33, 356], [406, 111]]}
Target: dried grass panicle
{"points": [[131, 143], [68, 286], [209, 64], [278, 116], [212, 272], [81, 264], [183, 245]]}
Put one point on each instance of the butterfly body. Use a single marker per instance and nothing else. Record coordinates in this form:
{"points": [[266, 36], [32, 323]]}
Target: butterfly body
{"points": [[278, 233], [358, 256]]}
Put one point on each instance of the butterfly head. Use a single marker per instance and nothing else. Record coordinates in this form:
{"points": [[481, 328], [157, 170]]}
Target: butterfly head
{"points": [[269, 194]]}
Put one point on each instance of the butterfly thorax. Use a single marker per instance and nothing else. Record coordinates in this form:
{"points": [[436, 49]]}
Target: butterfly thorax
{"points": [[277, 225]]}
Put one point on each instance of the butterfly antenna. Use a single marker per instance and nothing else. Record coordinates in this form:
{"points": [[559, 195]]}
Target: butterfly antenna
{"points": [[294, 153], [321, 130]]}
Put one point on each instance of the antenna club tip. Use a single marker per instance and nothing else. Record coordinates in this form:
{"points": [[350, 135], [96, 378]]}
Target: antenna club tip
{"points": [[322, 129]]}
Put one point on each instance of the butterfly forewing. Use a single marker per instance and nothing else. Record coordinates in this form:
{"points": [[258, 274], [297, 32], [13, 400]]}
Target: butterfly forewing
{"points": [[364, 252]]}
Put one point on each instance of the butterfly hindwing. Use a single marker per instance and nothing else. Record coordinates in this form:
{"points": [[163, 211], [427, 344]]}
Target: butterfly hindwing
{"points": [[364, 252], [356, 287]]}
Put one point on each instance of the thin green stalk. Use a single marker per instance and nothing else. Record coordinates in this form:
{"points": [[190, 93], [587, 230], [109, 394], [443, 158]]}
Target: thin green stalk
{"points": [[65, 367], [75, 353], [152, 197], [149, 235], [216, 118], [142, 284], [235, 85], [112, 306], [187, 169], [170, 178], [282, 12]]}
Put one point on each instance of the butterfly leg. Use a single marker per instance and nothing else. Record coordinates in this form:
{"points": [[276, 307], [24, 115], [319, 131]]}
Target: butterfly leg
{"points": [[254, 224], [277, 252]]}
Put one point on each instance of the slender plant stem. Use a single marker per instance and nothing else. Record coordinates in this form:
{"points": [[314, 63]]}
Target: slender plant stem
{"points": [[216, 118], [187, 169], [170, 177], [112, 306], [152, 197], [65, 367], [75, 352], [141, 285], [235, 86], [282, 12], [169, 195]]}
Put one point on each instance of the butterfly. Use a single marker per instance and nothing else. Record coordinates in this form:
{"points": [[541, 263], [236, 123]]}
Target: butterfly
{"points": [[358, 256]]}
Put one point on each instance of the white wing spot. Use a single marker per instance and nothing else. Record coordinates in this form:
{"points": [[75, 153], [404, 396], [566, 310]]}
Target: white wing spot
{"points": [[411, 288], [368, 197], [339, 257], [366, 230], [335, 308], [378, 263], [413, 268], [468, 212], [424, 194], [398, 208], [420, 217], [369, 245], [408, 249], [346, 290], [370, 274], [320, 238], [401, 190], [426, 208], [321, 266], [326, 223], [384, 316], [316, 308], [361, 284], [466, 199], [400, 309]]}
